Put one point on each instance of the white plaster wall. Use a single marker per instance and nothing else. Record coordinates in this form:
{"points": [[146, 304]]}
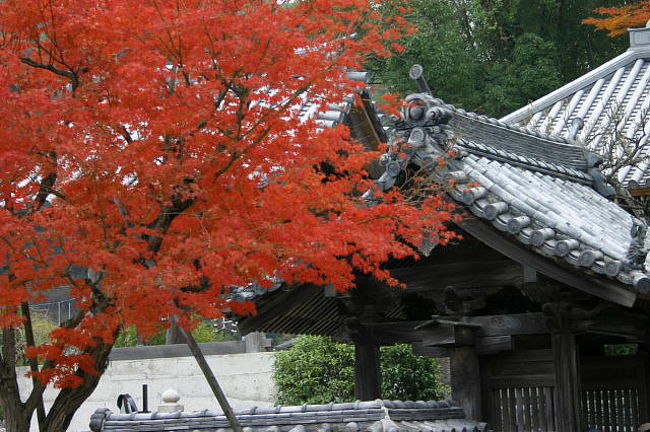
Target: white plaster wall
{"points": [[245, 378]]}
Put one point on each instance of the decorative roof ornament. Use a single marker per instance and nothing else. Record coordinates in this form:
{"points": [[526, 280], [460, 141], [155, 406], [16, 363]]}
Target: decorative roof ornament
{"points": [[638, 250], [417, 138]]}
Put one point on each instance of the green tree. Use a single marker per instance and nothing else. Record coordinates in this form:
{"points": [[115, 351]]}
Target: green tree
{"points": [[495, 56], [317, 370]]}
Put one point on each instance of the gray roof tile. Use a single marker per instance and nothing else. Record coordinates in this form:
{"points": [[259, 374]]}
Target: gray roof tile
{"points": [[335, 113], [378, 415], [614, 94]]}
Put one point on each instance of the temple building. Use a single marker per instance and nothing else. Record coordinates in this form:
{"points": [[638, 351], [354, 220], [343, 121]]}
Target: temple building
{"points": [[549, 277]]}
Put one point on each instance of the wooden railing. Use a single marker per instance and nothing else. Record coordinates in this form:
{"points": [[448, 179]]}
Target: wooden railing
{"points": [[522, 409], [611, 410]]}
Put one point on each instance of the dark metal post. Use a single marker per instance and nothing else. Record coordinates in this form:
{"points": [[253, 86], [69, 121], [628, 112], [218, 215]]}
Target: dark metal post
{"points": [[145, 398]]}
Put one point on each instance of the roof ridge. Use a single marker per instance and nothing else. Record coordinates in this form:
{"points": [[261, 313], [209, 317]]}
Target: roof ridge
{"points": [[502, 124], [479, 134]]}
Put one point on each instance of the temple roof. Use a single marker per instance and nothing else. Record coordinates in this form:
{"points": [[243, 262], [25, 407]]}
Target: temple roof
{"points": [[546, 193], [371, 416], [613, 100], [536, 199]]}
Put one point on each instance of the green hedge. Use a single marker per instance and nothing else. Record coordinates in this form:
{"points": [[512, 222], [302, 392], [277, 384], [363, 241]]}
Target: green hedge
{"points": [[317, 370]]}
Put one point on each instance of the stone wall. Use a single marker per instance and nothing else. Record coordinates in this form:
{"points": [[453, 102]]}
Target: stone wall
{"points": [[245, 378]]}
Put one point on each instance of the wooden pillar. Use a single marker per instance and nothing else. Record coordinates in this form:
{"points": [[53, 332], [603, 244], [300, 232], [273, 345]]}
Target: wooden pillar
{"points": [[367, 378], [362, 311], [567, 382], [466, 380], [562, 319]]}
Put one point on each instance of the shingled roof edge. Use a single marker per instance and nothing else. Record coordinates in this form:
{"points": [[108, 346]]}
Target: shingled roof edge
{"points": [[623, 258]]}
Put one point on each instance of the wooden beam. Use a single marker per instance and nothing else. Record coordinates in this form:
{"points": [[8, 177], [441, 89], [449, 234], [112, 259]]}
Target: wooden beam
{"points": [[493, 344], [461, 332], [639, 192], [627, 324], [439, 334], [510, 325], [484, 346], [430, 351], [471, 274], [559, 271]]}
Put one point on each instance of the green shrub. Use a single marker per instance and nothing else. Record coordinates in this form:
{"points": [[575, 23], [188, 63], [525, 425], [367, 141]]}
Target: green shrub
{"points": [[317, 370]]}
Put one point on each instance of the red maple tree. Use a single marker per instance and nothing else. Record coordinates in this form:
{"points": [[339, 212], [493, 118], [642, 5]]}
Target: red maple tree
{"points": [[158, 145], [618, 19]]}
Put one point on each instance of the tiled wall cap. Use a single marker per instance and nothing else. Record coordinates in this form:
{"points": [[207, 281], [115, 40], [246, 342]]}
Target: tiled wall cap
{"points": [[333, 116], [455, 176], [358, 75], [368, 404]]}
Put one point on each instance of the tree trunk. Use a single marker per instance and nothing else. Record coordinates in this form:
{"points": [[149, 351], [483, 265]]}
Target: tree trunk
{"points": [[70, 399], [33, 364], [14, 411], [16, 419]]}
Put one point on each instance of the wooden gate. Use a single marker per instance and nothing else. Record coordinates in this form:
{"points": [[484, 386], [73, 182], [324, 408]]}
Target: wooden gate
{"points": [[518, 391], [614, 394]]}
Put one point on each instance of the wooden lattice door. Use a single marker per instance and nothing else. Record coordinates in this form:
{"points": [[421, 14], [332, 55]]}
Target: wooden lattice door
{"points": [[614, 393], [518, 391]]}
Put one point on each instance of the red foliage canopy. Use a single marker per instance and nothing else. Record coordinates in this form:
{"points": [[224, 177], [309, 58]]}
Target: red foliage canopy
{"points": [[618, 19], [158, 144]]}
